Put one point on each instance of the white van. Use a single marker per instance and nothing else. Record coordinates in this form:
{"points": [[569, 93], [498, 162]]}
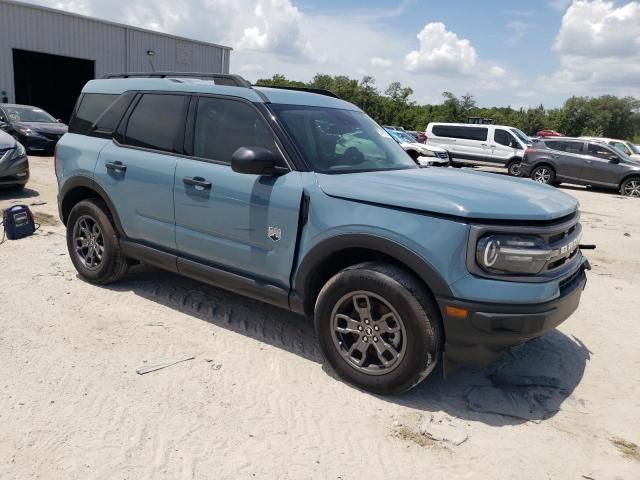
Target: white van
{"points": [[492, 145]]}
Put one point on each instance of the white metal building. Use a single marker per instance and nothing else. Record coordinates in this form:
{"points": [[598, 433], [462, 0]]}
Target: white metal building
{"points": [[47, 55]]}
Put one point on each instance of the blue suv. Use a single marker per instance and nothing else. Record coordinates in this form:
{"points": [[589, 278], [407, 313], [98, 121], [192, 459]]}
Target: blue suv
{"points": [[299, 199]]}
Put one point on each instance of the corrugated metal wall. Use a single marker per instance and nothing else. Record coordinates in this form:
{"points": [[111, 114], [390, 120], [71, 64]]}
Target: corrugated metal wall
{"points": [[114, 48]]}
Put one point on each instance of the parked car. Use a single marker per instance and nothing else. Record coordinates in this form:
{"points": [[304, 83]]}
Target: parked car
{"points": [[582, 162], [491, 145], [31, 126], [424, 155], [419, 136], [548, 133], [14, 165], [393, 261], [628, 148]]}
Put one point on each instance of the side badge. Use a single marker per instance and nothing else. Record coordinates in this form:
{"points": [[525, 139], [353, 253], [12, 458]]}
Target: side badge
{"points": [[274, 233]]}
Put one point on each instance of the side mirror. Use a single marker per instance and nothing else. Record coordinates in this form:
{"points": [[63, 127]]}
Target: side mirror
{"points": [[254, 161], [3, 125], [59, 120], [614, 159]]}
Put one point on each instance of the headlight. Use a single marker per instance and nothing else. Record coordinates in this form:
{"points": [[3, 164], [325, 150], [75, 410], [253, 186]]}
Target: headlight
{"points": [[427, 153], [25, 131], [19, 151], [512, 254]]}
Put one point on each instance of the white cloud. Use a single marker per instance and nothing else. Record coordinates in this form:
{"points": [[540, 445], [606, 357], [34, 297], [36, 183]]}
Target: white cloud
{"points": [[381, 62], [441, 52], [599, 49], [276, 30], [559, 5], [518, 30]]}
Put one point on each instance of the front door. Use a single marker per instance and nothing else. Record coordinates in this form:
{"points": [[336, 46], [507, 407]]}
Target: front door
{"points": [[599, 168], [245, 224], [504, 146]]}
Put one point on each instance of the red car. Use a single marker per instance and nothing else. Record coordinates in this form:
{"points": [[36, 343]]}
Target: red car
{"points": [[548, 133]]}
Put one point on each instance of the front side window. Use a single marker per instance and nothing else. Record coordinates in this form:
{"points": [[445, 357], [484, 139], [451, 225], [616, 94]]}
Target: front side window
{"points": [[341, 141], [91, 107], [600, 151], [621, 147], [157, 122], [222, 126], [521, 135], [505, 138]]}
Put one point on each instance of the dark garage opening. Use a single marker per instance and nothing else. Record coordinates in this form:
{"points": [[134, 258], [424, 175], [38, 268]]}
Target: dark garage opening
{"points": [[50, 82]]}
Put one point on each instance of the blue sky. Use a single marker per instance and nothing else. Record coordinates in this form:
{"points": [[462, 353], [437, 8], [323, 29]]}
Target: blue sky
{"points": [[518, 52]]}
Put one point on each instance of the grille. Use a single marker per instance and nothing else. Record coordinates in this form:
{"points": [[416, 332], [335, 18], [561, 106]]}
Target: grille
{"points": [[443, 155]]}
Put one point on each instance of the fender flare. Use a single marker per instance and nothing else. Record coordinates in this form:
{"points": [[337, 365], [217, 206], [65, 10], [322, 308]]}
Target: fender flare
{"points": [[82, 181], [303, 278]]}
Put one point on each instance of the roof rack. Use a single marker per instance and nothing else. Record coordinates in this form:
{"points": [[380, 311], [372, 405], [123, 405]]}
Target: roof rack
{"points": [[319, 91], [218, 78]]}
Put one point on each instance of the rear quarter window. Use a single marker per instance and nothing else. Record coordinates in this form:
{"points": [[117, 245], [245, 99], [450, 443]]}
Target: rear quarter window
{"points": [[91, 106], [465, 133]]}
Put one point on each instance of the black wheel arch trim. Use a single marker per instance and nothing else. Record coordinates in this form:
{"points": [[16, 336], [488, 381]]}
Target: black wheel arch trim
{"points": [[302, 281], [82, 181]]}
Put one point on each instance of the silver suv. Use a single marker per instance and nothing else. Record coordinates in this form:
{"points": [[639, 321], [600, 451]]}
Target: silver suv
{"points": [[582, 162]]}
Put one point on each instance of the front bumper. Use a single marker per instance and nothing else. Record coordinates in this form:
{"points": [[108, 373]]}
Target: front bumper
{"points": [[39, 142], [489, 330], [14, 173], [525, 169]]}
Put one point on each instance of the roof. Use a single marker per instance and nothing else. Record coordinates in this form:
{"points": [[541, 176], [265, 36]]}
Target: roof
{"points": [[108, 22], [472, 125], [253, 94]]}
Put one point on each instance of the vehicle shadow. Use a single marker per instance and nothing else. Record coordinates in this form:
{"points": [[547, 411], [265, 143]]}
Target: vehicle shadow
{"points": [[13, 193], [529, 383]]}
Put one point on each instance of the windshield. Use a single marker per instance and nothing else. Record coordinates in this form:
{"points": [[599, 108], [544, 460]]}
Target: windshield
{"points": [[341, 141], [401, 136], [521, 135], [28, 114]]}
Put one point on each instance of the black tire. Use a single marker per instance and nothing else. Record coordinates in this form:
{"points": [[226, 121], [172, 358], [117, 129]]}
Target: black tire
{"points": [[515, 168], [419, 327], [544, 174], [630, 187], [113, 264]]}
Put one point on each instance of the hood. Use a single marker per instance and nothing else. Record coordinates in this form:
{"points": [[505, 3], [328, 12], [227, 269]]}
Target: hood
{"points": [[6, 141], [54, 127], [422, 147], [455, 192]]}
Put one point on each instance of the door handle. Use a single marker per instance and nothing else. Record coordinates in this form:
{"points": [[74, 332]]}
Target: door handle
{"points": [[484, 145], [555, 156], [117, 166], [589, 161], [197, 182]]}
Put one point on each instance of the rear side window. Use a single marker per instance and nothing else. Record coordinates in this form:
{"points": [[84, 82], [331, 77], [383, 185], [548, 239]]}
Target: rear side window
{"points": [[92, 105], [107, 123], [562, 146], [222, 126], [157, 122], [465, 133]]}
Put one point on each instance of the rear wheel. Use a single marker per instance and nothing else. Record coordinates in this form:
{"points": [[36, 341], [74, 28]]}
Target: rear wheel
{"points": [[93, 245], [631, 187], [378, 327], [544, 174], [515, 168]]}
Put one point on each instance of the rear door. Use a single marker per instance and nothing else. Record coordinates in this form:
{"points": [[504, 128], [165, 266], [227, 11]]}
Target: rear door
{"points": [[137, 169], [568, 159], [473, 144], [245, 224]]}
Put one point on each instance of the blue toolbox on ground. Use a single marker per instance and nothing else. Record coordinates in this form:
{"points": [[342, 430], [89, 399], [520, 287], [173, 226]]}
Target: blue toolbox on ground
{"points": [[18, 222]]}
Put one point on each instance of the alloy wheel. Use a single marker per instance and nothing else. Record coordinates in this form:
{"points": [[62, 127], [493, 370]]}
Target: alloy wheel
{"points": [[542, 175], [88, 242], [368, 333], [632, 188], [515, 169]]}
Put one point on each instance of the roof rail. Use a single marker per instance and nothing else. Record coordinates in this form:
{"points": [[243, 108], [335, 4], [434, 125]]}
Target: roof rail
{"points": [[218, 78], [319, 91]]}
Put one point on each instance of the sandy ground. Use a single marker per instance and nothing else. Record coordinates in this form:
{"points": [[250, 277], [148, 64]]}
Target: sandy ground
{"points": [[257, 402]]}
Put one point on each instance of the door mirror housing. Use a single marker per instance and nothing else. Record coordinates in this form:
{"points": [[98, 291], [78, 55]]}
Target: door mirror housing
{"points": [[614, 159], [255, 161]]}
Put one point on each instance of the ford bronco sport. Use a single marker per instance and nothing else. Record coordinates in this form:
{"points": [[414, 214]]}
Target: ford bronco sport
{"points": [[264, 192]]}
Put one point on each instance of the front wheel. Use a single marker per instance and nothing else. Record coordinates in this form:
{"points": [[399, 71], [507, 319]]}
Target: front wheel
{"points": [[515, 168], [630, 187], [543, 174], [378, 327]]}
